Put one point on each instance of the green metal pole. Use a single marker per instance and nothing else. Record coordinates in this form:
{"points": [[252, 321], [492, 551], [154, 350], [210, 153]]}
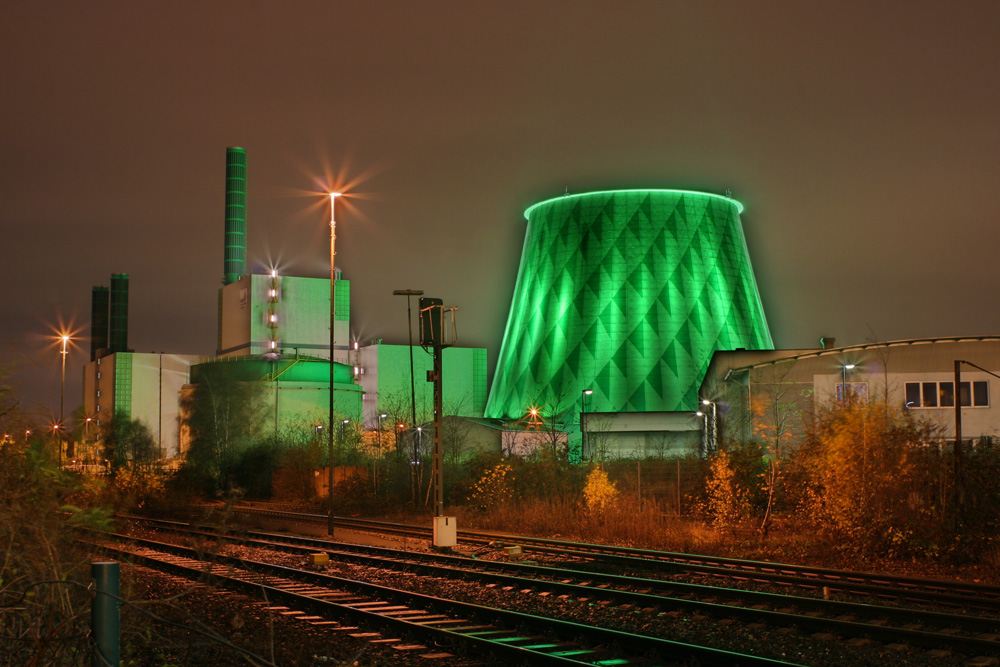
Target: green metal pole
{"points": [[105, 614]]}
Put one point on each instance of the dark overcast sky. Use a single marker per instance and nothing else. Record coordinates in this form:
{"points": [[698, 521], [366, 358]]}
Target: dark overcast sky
{"points": [[863, 139]]}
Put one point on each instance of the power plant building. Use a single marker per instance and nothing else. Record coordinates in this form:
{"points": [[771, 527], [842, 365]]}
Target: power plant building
{"points": [[138, 385], [287, 315], [625, 294], [384, 373]]}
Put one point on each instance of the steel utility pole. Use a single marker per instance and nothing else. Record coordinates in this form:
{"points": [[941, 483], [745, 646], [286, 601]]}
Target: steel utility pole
{"points": [[432, 335]]}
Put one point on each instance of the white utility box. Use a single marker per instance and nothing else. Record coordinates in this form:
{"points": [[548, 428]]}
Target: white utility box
{"points": [[445, 531]]}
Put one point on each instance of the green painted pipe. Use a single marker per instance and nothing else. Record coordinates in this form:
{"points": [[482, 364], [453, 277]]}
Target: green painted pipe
{"points": [[105, 614]]}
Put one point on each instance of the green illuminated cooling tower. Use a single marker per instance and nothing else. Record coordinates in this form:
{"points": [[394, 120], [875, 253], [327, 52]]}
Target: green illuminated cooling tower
{"points": [[235, 258], [626, 293]]}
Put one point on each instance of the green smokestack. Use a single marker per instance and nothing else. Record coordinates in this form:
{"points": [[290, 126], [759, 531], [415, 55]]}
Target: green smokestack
{"points": [[119, 312], [235, 261], [99, 305]]}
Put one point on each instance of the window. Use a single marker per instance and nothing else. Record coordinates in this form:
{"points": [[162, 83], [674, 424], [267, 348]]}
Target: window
{"points": [[929, 394], [942, 394]]}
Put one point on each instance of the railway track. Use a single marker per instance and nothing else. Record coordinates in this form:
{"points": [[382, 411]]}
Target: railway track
{"points": [[819, 581], [966, 634], [343, 604]]}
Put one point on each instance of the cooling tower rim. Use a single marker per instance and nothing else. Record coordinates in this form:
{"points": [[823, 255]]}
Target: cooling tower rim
{"points": [[236, 148], [729, 200]]}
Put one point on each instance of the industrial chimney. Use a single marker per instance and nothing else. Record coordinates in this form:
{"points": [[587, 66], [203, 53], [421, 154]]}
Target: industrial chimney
{"points": [[98, 321], [235, 257], [119, 313]]}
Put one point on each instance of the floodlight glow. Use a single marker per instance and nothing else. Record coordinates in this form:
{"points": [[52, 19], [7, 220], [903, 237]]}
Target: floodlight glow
{"points": [[849, 366]]}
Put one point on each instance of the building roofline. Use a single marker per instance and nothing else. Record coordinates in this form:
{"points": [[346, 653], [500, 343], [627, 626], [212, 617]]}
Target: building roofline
{"points": [[857, 348]]}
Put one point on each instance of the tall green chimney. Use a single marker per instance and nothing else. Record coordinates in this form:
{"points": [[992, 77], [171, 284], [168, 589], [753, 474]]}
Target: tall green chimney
{"points": [[235, 259]]}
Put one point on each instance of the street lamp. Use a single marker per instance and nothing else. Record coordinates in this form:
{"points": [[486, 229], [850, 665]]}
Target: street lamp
{"points": [[378, 456], [714, 441], [343, 423], [409, 325], [704, 433], [583, 425], [62, 393], [844, 369], [333, 340], [380, 418]]}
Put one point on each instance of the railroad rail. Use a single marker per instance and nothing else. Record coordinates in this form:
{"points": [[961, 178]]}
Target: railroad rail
{"points": [[949, 593], [933, 630], [510, 636]]}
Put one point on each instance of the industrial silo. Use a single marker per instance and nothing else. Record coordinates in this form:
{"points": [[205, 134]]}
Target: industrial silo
{"points": [[627, 294]]}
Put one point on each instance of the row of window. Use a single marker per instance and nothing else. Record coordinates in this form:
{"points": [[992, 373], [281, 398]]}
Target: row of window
{"points": [[926, 394], [942, 394]]}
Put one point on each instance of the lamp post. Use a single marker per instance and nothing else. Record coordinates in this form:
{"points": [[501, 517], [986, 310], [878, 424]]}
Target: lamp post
{"points": [[86, 436], [378, 456], [704, 433], [333, 340], [409, 325], [584, 452], [62, 395], [845, 368], [713, 442]]}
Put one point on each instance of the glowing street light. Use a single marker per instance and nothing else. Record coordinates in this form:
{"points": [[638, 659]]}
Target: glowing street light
{"points": [[333, 340], [585, 452], [704, 433], [62, 392], [713, 442], [844, 369]]}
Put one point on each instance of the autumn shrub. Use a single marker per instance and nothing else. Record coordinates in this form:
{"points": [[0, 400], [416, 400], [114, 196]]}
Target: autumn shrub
{"points": [[727, 503], [494, 489], [870, 481], [43, 573], [599, 493]]}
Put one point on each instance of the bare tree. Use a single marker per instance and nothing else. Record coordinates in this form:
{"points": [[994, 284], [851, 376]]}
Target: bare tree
{"points": [[778, 405]]}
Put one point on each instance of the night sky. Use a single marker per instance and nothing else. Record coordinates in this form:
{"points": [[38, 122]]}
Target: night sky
{"points": [[863, 139]]}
